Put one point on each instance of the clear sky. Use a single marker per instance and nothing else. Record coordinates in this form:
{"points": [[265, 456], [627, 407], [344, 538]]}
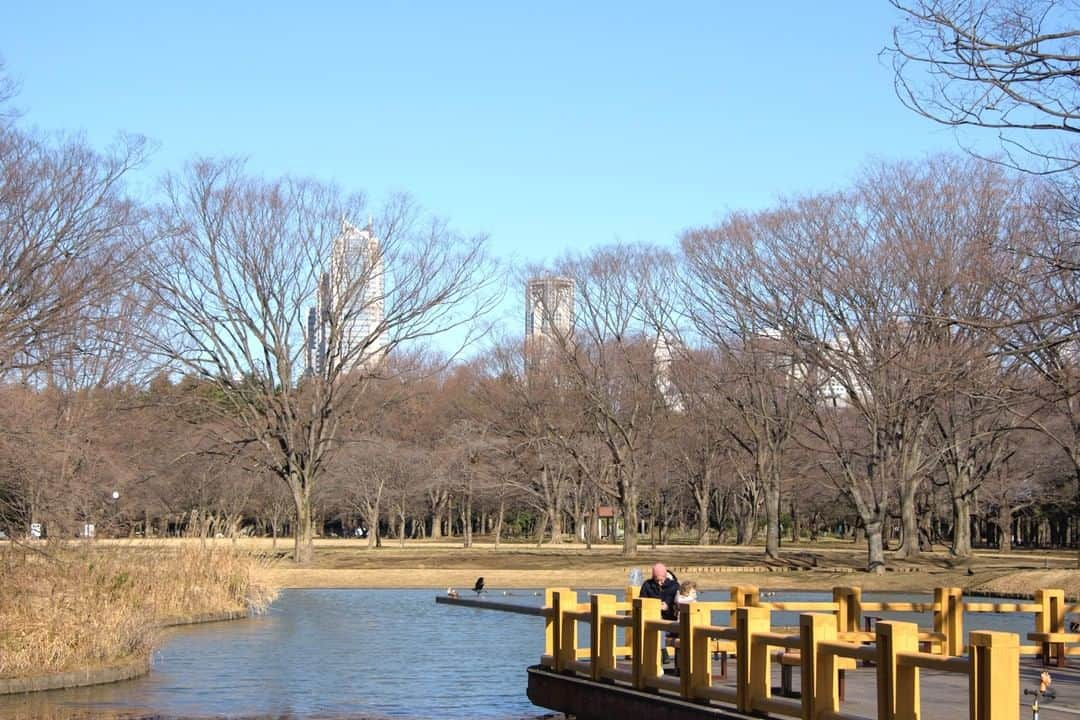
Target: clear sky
{"points": [[548, 126]]}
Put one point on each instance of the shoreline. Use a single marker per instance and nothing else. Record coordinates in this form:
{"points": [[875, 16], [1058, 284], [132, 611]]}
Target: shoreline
{"points": [[127, 669], [983, 584]]}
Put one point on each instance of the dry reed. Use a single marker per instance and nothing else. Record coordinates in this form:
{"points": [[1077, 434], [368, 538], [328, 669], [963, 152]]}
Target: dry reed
{"points": [[65, 607]]}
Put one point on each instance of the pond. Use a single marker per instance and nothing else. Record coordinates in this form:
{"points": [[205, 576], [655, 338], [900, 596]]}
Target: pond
{"points": [[357, 654], [327, 654]]}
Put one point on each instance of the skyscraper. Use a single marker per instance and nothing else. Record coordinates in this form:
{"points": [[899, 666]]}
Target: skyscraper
{"points": [[549, 307], [350, 297]]}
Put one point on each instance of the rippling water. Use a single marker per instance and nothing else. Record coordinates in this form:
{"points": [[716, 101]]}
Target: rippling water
{"points": [[355, 654], [328, 654]]}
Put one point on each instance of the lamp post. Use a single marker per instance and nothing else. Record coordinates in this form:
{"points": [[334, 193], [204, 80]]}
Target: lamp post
{"points": [[114, 498]]}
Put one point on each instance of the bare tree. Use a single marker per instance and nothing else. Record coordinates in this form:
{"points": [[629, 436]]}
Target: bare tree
{"points": [[1006, 65], [753, 373], [608, 356], [66, 230], [237, 264], [537, 413], [858, 287]]}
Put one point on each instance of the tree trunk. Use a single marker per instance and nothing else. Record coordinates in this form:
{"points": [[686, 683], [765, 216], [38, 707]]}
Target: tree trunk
{"points": [[630, 521], [702, 500], [499, 522], [373, 518], [961, 540], [304, 530], [795, 529], [875, 547], [541, 528], [1004, 524], [772, 517], [466, 521], [555, 523], [909, 522]]}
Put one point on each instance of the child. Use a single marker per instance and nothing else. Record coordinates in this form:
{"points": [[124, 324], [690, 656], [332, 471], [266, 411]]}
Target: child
{"points": [[687, 592]]}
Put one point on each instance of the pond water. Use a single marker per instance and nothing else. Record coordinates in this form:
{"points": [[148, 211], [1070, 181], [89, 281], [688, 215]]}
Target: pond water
{"points": [[327, 654], [358, 654]]}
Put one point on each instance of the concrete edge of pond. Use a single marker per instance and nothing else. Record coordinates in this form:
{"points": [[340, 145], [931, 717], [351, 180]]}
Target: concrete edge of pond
{"points": [[76, 678], [205, 618], [119, 672]]}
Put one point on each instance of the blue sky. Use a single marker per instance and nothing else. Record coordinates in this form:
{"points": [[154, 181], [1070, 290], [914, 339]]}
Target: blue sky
{"points": [[549, 126]]}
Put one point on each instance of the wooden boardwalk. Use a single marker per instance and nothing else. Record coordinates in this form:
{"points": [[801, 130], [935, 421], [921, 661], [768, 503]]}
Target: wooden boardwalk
{"points": [[602, 658], [944, 696]]}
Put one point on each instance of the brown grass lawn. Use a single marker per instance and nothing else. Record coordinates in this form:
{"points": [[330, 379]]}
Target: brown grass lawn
{"points": [[438, 565]]}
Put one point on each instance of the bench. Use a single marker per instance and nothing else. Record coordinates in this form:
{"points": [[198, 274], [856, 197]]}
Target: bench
{"points": [[789, 659], [1053, 645]]}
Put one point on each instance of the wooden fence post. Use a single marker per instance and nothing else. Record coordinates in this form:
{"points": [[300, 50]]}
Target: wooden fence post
{"points": [[701, 662], [941, 608], [565, 600], [629, 595], [601, 653], [994, 682], [646, 648], [690, 618], [745, 595], [813, 629], [955, 622], [849, 608], [551, 632], [754, 673], [897, 687], [1051, 618]]}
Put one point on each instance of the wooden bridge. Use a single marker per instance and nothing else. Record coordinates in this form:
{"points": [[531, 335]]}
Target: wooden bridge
{"points": [[602, 658]]}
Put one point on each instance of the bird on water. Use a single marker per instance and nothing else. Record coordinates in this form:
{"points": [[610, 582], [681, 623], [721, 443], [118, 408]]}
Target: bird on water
{"points": [[479, 586]]}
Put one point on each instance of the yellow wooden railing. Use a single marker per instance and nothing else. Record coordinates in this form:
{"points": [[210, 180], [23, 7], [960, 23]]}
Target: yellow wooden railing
{"points": [[625, 638]]}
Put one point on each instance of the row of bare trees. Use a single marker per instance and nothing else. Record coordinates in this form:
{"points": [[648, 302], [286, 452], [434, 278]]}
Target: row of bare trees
{"points": [[897, 361], [208, 278]]}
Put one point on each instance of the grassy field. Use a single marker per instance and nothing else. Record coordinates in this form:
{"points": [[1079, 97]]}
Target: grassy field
{"points": [[76, 606], [439, 565]]}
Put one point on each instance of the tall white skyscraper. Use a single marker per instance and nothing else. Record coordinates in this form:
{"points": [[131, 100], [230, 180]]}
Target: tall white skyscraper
{"points": [[352, 293], [549, 307], [663, 360]]}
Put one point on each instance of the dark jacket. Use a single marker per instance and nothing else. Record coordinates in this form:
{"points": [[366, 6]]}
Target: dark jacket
{"points": [[665, 592]]}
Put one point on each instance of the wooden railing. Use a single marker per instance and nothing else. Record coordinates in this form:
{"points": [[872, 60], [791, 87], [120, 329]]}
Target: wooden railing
{"points": [[625, 640]]}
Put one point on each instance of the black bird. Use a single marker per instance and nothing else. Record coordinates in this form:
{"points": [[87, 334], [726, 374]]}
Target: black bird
{"points": [[479, 586]]}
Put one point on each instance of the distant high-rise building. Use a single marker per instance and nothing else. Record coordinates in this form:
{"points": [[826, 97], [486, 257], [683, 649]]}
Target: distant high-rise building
{"points": [[352, 292], [549, 307], [662, 372]]}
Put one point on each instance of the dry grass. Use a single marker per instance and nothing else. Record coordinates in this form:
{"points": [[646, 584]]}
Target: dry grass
{"points": [[438, 565], [73, 607], [1023, 582]]}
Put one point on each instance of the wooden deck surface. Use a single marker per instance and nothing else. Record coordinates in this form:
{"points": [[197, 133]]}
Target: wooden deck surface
{"points": [[945, 695]]}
